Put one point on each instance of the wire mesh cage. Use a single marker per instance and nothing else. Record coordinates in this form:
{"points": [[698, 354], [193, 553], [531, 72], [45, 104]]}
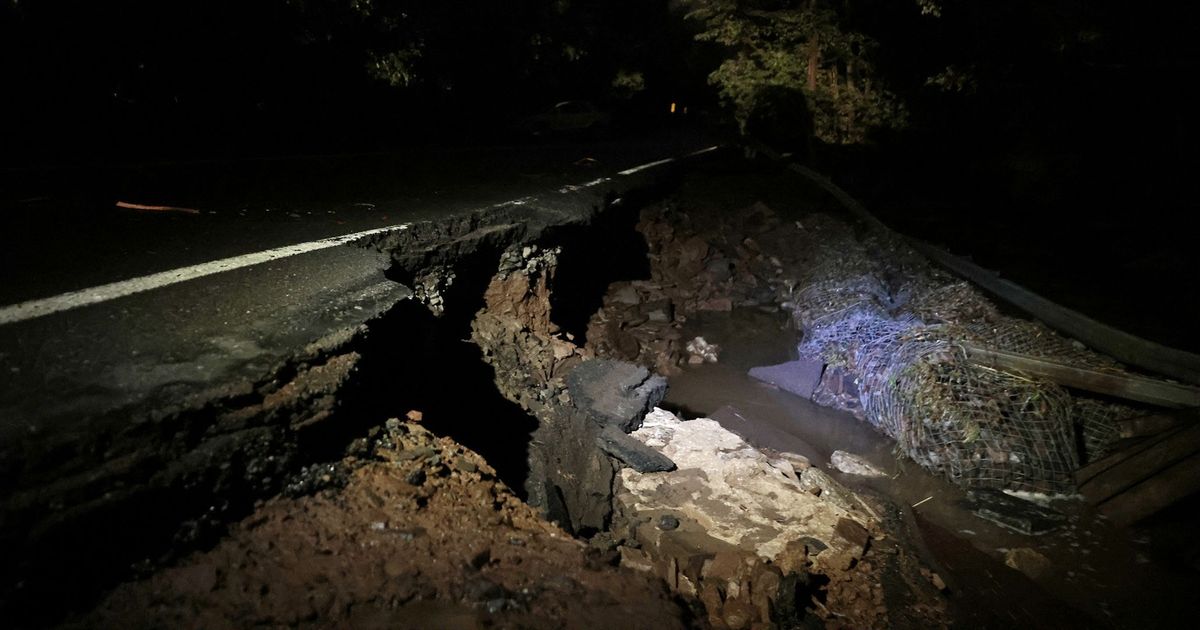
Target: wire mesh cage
{"points": [[882, 317]]}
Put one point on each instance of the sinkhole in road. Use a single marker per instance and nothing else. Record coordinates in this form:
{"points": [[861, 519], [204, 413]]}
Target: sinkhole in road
{"points": [[417, 461], [464, 360], [416, 365], [481, 359], [484, 388]]}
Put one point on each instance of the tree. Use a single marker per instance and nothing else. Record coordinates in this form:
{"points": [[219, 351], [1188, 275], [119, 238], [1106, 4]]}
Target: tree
{"points": [[773, 46], [472, 49]]}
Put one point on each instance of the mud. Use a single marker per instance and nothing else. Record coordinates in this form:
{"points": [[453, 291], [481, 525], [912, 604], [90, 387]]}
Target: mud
{"points": [[744, 514], [492, 496], [1086, 573], [421, 536], [111, 492], [411, 528]]}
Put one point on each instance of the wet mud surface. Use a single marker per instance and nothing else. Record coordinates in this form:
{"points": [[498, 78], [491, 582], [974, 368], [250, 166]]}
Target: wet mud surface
{"points": [[422, 535], [1088, 573], [749, 528]]}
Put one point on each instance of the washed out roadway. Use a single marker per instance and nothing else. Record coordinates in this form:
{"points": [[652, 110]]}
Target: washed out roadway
{"points": [[176, 343]]}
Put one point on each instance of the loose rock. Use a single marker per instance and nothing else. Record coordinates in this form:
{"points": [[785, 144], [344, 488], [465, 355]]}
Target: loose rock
{"points": [[854, 465], [1029, 562], [702, 351], [668, 523]]}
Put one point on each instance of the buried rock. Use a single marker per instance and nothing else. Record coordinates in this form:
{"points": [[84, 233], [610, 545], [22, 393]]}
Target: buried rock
{"points": [[615, 393], [1028, 561], [460, 551]]}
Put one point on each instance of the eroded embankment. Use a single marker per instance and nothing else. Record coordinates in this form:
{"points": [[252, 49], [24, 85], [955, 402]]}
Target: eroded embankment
{"points": [[467, 460], [121, 492]]}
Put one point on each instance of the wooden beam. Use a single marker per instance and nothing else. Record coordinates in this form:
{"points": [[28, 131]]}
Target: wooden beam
{"points": [[1133, 447], [1118, 344], [849, 203], [1141, 466], [1155, 493], [1142, 426], [1124, 386]]}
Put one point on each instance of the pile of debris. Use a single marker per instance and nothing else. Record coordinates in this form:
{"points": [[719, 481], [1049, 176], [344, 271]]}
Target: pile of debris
{"points": [[691, 272], [660, 495], [752, 535], [896, 336], [887, 334], [422, 535]]}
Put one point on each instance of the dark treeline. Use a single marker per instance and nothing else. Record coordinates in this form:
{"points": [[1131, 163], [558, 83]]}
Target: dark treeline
{"points": [[218, 77], [1014, 83]]}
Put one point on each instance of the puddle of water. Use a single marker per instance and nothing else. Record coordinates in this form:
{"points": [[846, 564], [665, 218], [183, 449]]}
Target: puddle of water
{"points": [[771, 416], [1097, 569]]}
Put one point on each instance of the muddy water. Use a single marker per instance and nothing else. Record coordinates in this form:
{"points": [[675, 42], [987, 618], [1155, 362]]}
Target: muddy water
{"points": [[1099, 577]]}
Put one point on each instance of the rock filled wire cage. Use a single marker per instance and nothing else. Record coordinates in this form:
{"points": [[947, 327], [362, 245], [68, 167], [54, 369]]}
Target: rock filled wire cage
{"points": [[892, 331]]}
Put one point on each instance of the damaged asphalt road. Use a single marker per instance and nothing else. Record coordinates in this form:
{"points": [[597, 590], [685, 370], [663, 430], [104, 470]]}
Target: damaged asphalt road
{"points": [[173, 405], [62, 229], [185, 339]]}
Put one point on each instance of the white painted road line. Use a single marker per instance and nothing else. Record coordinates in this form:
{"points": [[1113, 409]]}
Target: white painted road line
{"points": [[37, 308], [631, 171], [574, 187], [105, 292]]}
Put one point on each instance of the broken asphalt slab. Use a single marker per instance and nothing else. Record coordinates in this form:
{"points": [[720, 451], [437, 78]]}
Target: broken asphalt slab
{"points": [[633, 453], [615, 393]]}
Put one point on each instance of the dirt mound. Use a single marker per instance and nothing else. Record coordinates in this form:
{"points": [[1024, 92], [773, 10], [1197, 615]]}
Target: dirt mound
{"points": [[421, 535]]}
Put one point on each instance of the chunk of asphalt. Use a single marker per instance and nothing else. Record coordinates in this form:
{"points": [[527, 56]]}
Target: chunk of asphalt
{"points": [[631, 452], [615, 393], [1012, 513], [798, 377]]}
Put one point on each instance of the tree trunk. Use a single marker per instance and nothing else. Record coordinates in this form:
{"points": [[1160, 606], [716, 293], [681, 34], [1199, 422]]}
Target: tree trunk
{"points": [[814, 59]]}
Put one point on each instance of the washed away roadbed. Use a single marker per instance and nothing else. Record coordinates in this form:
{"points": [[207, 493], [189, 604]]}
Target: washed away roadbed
{"points": [[524, 464]]}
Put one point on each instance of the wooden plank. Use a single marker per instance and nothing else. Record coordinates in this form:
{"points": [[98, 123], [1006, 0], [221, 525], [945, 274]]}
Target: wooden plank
{"points": [[1111, 341], [1141, 466], [1116, 343], [1121, 385], [1152, 424], [1086, 473], [1176, 482], [849, 203]]}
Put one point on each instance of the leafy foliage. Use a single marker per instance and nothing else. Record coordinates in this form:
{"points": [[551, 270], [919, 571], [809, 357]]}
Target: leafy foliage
{"points": [[954, 79], [800, 45], [628, 82], [432, 48], [394, 67]]}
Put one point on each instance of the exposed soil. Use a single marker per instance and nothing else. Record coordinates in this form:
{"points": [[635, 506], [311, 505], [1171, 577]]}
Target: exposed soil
{"points": [[421, 536], [720, 263], [412, 529]]}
